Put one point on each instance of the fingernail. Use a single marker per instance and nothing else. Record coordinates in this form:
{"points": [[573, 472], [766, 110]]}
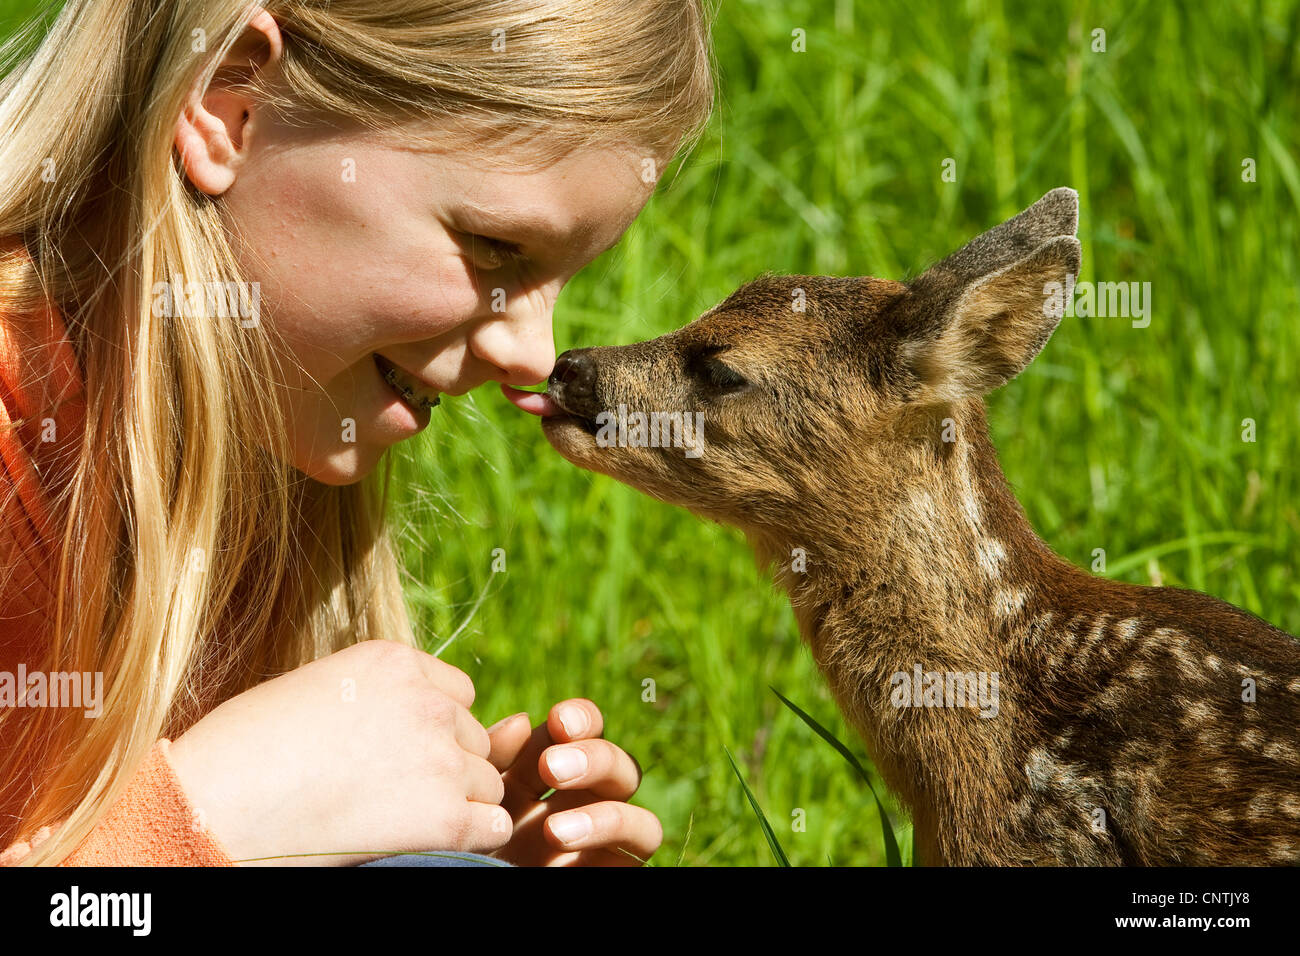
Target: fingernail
{"points": [[574, 720], [505, 720], [571, 827], [566, 763]]}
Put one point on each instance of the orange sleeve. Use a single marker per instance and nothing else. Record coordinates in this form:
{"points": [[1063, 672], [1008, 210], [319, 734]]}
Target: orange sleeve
{"points": [[153, 823]]}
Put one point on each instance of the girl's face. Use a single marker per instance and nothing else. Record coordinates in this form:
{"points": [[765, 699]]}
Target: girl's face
{"points": [[446, 265]]}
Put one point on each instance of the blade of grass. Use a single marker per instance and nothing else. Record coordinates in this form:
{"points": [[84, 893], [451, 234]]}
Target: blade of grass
{"points": [[772, 841], [892, 856], [1138, 558], [690, 824]]}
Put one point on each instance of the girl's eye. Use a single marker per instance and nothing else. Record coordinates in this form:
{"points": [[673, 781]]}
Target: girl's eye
{"points": [[492, 253]]}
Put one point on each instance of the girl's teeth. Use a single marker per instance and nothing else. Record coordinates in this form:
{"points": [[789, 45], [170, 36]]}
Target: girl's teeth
{"points": [[412, 397]]}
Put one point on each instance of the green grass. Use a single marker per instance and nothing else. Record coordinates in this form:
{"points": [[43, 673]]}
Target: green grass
{"points": [[829, 162]]}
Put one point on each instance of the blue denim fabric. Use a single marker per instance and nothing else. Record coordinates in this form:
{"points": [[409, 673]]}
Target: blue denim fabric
{"points": [[438, 858]]}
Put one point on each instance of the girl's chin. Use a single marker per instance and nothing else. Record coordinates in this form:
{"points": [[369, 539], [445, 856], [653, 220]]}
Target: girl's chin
{"points": [[338, 470], [347, 464], [343, 451]]}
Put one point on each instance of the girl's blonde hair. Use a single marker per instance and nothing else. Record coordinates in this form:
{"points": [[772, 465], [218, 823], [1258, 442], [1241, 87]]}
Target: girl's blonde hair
{"points": [[194, 562]]}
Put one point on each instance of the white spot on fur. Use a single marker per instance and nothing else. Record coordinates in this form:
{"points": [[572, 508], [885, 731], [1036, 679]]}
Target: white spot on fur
{"points": [[1095, 636], [1008, 603], [1126, 628], [991, 552], [969, 506], [1098, 632], [1046, 771], [923, 503], [1283, 852], [1113, 697], [1199, 711], [1038, 767], [1260, 805], [991, 556], [1175, 643], [1284, 752]]}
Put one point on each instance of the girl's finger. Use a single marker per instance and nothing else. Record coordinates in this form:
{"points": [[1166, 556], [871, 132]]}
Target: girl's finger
{"points": [[483, 781], [489, 828], [452, 681], [599, 766], [508, 738], [575, 719], [579, 716], [522, 779], [470, 734], [610, 825]]}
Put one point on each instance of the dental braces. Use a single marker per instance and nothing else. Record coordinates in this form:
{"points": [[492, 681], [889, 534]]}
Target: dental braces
{"points": [[419, 401]]}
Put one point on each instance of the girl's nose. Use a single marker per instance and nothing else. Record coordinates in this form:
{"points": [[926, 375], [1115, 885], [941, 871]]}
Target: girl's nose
{"points": [[518, 341]]}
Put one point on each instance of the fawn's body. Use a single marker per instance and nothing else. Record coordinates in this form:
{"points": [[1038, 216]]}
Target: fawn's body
{"points": [[1108, 698], [1133, 725]]}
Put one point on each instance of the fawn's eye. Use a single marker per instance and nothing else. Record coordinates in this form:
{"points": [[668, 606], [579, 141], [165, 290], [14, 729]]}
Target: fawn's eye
{"points": [[715, 373]]}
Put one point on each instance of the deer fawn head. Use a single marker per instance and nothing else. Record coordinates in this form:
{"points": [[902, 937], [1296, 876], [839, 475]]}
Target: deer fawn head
{"points": [[797, 391]]}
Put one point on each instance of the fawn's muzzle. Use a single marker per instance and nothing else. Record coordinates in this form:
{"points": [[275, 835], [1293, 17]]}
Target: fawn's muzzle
{"points": [[572, 384]]}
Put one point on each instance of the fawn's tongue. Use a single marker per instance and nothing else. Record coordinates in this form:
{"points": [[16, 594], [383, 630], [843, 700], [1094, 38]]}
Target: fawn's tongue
{"points": [[534, 403]]}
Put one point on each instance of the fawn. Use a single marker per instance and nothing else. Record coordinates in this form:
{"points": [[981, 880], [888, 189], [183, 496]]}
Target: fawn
{"points": [[844, 432]]}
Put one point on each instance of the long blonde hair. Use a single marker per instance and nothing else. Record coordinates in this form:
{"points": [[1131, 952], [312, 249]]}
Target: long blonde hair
{"points": [[194, 562]]}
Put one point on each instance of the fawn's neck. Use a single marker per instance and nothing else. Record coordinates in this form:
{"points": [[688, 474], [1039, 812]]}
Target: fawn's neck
{"points": [[935, 569], [940, 547]]}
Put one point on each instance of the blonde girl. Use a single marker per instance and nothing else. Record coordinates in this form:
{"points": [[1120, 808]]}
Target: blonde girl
{"points": [[245, 249]]}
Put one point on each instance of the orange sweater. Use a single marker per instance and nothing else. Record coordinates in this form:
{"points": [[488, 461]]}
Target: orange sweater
{"points": [[152, 823]]}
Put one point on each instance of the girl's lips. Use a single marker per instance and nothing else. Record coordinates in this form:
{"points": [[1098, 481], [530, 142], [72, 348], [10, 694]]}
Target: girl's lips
{"points": [[534, 403]]}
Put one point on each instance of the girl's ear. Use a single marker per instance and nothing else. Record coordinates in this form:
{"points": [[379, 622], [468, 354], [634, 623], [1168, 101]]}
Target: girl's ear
{"points": [[211, 129]]}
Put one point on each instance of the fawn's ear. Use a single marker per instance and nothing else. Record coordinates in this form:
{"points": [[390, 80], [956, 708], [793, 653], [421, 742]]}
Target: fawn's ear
{"points": [[980, 316]]}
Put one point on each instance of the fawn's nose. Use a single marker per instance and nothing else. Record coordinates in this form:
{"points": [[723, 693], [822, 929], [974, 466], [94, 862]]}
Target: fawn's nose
{"points": [[573, 380]]}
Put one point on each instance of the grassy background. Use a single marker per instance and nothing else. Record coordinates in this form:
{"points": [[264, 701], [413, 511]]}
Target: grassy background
{"points": [[829, 161]]}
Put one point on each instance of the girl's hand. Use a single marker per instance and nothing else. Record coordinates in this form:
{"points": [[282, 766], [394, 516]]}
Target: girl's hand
{"points": [[587, 821], [370, 750]]}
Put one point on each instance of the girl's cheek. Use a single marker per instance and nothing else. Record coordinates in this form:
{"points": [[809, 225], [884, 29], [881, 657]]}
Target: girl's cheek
{"points": [[447, 300]]}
